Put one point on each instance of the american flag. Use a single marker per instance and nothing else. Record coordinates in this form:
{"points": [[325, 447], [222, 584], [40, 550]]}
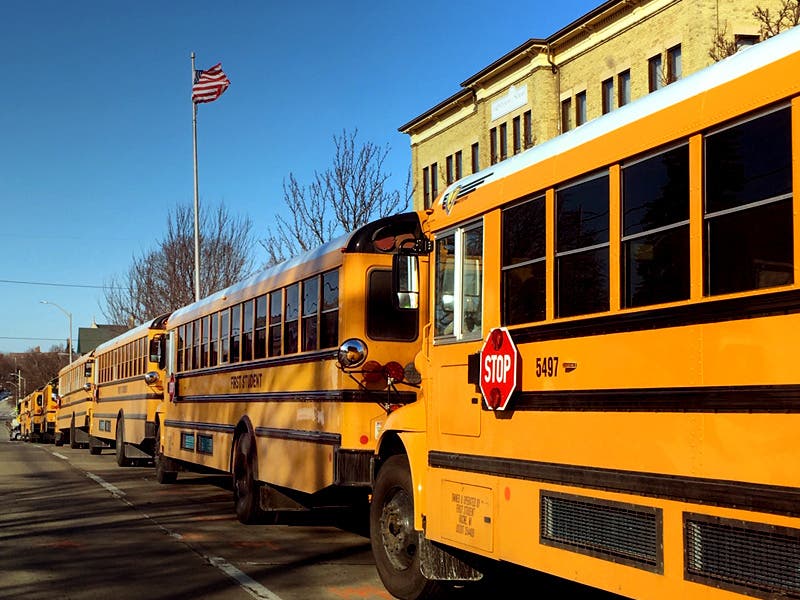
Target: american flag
{"points": [[209, 84]]}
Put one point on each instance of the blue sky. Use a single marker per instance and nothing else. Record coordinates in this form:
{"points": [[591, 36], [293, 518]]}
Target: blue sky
{"points": [[96, 132]]}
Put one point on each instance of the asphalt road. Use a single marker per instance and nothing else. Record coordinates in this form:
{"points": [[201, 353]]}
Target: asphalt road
{"points": [[78, 527]]}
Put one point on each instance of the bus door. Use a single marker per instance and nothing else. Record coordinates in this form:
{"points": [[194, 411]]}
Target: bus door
{"points": [[457, 328]]}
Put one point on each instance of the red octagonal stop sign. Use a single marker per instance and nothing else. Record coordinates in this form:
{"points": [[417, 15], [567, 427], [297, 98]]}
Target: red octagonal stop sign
{"points": [[499, 373]]}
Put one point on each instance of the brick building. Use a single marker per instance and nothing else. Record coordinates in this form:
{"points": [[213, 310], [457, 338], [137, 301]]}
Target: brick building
{"points": [[618, 52]]}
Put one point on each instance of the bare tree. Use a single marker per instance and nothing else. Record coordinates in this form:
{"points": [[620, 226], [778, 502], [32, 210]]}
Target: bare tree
{"points": [[769, 24], [349, 194], [36, 367], [162, 280]]}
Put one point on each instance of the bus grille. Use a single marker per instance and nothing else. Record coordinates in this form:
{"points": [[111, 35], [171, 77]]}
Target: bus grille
{"points": [[622, 533], [751, 558]]}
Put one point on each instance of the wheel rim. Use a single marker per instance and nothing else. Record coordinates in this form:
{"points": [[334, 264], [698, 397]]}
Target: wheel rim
{"points": [[397, 531]]}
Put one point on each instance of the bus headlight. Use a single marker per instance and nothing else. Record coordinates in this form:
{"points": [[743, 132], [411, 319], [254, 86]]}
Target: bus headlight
{"points": [[352, 353]]}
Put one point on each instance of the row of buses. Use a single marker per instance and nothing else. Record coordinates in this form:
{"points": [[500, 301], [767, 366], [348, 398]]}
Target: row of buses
{"points": [[578, 361]]}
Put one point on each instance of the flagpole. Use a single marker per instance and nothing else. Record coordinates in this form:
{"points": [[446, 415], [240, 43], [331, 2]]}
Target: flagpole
{"points": [[196, 198]]}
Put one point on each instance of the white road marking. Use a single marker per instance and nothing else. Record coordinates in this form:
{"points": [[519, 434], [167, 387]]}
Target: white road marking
{"points": [[255, 589], [115, 491]]}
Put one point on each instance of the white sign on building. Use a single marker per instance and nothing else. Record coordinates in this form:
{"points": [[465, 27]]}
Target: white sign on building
{"points": [[514, 98]]}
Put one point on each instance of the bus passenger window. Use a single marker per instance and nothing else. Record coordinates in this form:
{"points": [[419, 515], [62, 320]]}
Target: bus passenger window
{"points": [[748, 205], [204, 342], [224, 333], [236, 332], [275, 320], [260, 350], [582, 285], [213, 358], [291, 315], [655, 228], [310, 312], [247, 330], [329, 319], [523, 267]]}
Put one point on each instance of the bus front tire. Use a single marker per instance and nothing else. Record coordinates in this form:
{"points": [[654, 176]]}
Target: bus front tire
{"points": [[395, 542], [73, 441], [245, 486], [160, 461]]}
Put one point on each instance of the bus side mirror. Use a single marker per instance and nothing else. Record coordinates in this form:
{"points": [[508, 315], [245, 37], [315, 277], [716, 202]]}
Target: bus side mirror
{"points": [[405, 281]]}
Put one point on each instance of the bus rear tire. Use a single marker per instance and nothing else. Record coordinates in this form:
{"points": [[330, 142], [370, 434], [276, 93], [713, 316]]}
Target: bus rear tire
{"points": [[245, 487], [395, 542], [73, 441], [120, 444]]}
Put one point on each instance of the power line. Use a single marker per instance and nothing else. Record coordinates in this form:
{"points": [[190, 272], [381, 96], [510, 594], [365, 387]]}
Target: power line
{"points": [[74, 285], [4, 337]]}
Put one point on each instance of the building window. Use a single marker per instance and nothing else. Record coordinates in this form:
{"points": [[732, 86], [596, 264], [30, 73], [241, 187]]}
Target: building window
{"points": [[624, 88], [449, 169], [655, 73], [476, 162], [503, 141], [434, 181], [527, 127], [426, 187], [580, 108], [748, 205], [566, 114], [459, 165], [674, 68], [608, 95], [745, 40], [516, 134], [582, 247], [493, 145]]}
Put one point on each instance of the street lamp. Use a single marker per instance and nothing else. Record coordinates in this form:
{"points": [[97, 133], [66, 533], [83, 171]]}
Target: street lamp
{"points": [[69, 316]]}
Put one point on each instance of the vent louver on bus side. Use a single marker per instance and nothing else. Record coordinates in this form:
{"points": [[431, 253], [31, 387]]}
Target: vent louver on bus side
{"points": [[622, 533], [751, 558]]}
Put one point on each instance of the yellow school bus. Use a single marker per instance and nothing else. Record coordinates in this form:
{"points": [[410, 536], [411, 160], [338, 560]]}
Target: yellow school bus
{"points": [[75, 403], [50, 402], [608, 384], [128, 387], [284, 380], [24, 417], [42, 405]]}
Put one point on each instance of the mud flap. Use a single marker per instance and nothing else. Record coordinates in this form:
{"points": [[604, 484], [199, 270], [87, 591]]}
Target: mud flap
{"points": [[439, 563]]}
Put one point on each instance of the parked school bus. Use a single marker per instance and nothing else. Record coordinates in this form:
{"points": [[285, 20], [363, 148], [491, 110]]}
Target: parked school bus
{"points": [[42, 405], [24, 417], [75, 385], [285, 379], [609, 392], [129, 386], [50, 402]]}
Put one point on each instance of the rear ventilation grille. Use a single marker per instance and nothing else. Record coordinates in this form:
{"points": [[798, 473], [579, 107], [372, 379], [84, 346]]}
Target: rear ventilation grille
{"points": [[751, 558], [624, 533]]}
